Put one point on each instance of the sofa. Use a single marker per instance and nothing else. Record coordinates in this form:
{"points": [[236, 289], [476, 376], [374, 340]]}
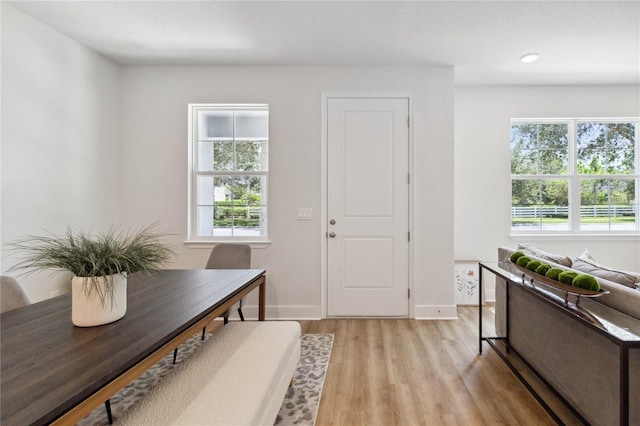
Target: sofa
{"points": [[580, 363]]}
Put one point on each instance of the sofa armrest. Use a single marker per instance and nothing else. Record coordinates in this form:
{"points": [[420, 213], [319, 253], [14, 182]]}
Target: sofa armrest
{"points": [[622, 298], [504, 253]]}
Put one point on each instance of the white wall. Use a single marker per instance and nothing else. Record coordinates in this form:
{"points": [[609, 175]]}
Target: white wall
{"points": [[482, 165], [60, 138], [154, 128], [88, 143]]}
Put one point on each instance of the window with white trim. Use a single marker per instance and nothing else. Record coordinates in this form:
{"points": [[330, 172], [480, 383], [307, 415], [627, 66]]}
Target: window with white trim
{"points": [[229, 170], [574, 176]]}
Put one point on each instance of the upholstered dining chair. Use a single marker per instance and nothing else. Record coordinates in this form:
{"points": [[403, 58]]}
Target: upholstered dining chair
{"points": [[230, 256], [11, 294], [227, 256]]}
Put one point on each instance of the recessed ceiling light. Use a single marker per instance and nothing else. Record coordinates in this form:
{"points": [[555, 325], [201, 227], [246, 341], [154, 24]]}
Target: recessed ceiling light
{"points": [[529, 57]]}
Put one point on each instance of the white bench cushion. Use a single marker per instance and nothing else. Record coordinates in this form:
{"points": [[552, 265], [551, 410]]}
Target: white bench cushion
{"points": [[238, 377]]}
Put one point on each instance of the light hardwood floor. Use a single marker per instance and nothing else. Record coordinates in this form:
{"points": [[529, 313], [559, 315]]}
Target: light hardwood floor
{"points": [[408, 372]]}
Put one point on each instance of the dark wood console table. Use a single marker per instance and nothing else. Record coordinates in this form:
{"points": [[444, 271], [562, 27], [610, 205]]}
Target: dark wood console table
{"points": [[54, 372], [622, 330]]}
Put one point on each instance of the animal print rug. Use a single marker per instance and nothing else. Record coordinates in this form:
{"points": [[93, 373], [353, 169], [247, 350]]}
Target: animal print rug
{"points": [[302, 400]]}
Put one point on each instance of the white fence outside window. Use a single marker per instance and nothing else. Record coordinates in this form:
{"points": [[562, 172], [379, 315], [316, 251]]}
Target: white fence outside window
{"points": [[563, 211]]}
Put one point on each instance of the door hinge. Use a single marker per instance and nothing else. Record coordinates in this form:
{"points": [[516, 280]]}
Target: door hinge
{"points": [[409, 293], [409, 178], [408, 121], [409, 236]]}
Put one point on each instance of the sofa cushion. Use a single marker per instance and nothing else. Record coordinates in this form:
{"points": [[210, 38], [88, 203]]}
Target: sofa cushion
{"points": [[586, 255], [586, 264], [543, 254]]}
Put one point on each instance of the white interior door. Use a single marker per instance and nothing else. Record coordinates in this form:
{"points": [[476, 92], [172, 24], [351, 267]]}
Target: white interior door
{"points": [[367, 207]]}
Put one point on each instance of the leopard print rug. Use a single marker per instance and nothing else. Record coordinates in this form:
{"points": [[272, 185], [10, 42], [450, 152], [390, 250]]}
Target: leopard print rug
{"points": [[302, 400]]}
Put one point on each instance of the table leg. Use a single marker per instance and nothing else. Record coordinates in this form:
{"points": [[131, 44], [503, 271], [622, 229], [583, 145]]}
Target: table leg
{"points": [[107, 406], [262, 298], [480, 305], [624, 385]]}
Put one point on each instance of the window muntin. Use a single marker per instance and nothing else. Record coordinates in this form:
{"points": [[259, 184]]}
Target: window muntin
{"points": [[606, 148], [607, 204], [540, 204], [229, 177], [574, 176], [539, 148]]}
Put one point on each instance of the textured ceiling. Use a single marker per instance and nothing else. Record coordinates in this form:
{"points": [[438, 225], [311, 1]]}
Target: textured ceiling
{"points": [[588, 42]]}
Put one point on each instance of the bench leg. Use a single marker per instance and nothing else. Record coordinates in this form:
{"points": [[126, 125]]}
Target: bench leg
{"points": [[107, 406], [175, 355], [203, 331]]}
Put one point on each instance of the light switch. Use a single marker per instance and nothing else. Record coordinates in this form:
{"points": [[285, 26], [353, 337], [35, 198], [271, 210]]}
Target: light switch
{"points": [[305, 214]]}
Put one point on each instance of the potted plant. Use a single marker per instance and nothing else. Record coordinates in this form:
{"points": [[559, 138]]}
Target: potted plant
{"points": [[100, 265]]}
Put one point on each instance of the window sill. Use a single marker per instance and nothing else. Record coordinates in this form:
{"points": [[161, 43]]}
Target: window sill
{"points": [[567, 236], [208, 244]]}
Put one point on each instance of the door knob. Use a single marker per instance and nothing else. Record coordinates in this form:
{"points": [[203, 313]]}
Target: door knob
{"points": [[332, 234]]}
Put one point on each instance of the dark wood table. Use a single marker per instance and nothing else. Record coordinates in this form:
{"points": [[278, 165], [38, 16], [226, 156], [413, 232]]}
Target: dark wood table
{"points": [[52, 371]]}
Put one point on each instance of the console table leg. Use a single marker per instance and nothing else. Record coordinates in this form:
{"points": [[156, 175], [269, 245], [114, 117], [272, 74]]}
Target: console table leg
{"points": [[624, 385], [480, 306], [506, 309]]}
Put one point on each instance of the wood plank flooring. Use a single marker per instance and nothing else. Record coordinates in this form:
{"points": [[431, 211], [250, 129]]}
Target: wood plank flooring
{"points": [[408, 372]]}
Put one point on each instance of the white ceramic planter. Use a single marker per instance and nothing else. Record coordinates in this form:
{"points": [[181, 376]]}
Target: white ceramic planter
{"points": [[92, 303]]}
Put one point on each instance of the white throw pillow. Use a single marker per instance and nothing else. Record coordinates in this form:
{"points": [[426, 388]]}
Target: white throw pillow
{"points": [[586, 255], [543, 254], [587, 264]]}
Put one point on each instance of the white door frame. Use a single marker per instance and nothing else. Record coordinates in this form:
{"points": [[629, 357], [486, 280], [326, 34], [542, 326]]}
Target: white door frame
{"points": [[324, 191]]}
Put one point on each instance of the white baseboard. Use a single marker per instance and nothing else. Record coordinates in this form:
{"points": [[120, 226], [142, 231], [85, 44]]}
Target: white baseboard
{"points": [[490, 295], [439, 312], [280, 312]]}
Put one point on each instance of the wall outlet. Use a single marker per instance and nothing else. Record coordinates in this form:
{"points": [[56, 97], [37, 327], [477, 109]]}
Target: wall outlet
{"points": [[305, 214], [54, 293]]}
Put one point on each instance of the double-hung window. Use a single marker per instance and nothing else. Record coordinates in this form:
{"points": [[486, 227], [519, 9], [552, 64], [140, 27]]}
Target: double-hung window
{"points": [[574, 176], [229, 170]]}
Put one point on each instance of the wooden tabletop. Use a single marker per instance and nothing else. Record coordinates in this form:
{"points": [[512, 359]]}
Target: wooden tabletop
{"points": [[48, 365]]}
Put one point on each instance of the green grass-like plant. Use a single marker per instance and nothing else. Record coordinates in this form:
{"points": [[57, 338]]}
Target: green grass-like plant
{"points": [[523, 260], [84, 255]]}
